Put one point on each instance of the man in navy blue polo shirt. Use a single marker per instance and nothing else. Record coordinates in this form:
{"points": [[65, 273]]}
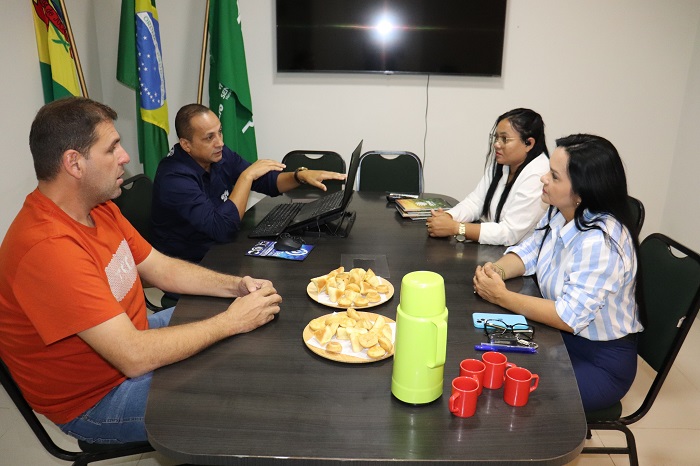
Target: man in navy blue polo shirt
{"points": [[201, 189]]}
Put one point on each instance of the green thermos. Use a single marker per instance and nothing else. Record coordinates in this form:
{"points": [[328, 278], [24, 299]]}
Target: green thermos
{"points": [[421, 339]]}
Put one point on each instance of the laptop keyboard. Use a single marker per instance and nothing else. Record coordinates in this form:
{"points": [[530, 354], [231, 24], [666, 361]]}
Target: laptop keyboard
{"points": [[274, 223], [323, 205]]}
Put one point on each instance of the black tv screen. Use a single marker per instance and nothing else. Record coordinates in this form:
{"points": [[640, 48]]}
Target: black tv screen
{"points": [[452, 37]]}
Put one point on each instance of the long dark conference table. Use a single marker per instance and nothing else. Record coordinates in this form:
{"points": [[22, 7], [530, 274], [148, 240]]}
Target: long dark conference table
{"points": [[265, 398]]}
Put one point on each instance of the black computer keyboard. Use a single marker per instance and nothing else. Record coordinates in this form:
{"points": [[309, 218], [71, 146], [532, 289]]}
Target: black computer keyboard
{"points": [[274, 223], [322, 205]]}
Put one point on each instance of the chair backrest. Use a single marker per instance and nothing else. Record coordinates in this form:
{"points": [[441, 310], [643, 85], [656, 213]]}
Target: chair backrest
{"points": [[316, 160], [637, 209], [671, 288], [135, 203], [400, 172], [96, 453]]}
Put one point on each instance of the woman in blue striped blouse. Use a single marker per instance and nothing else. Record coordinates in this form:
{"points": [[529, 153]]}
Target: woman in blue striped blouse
{"points": [[584, 254]]}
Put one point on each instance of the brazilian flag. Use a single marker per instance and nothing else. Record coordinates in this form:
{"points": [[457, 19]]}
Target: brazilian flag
{"points": [[229, 94], [140, 67], [56, 53]]}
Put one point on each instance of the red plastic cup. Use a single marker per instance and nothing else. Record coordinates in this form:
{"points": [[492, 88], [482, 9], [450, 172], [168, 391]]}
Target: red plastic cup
{"points": [[518, 386], [496, 364], [473, 368], [462, 402]]}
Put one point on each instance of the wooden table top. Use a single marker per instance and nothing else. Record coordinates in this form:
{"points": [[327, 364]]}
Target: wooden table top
{"points": [[265, 398]]}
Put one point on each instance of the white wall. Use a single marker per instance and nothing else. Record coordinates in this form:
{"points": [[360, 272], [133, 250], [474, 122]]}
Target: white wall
{"points": [[20, 85], [681, 213], [627, 70]]}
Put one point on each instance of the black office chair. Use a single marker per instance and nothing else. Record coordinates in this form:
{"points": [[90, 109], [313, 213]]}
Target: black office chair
{"points": [[316, 160], [637, 212], [135, 204], [90, 452], [400, 172], [671, 284]]}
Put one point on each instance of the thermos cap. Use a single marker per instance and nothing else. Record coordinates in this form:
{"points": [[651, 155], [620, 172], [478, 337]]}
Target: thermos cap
{"points": [[422, 294]]}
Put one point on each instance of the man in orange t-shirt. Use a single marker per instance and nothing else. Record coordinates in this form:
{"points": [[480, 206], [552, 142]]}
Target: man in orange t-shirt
{"points": [[74, 329]]}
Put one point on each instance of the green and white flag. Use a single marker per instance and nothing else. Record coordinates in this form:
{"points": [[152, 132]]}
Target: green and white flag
{"points": [[140, 67], [229, 94]]}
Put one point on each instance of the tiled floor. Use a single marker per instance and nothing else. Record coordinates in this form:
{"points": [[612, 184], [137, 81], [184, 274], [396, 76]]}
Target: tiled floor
{"points": [[668, 435]]}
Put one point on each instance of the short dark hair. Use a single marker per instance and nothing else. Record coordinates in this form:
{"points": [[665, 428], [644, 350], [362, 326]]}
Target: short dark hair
{"points": [[528, 124], [61, 125], [183, 119]]}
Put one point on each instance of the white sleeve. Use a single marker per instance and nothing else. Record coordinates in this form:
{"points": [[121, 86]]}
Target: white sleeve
{"points": [[469, 210], [523, 208]]}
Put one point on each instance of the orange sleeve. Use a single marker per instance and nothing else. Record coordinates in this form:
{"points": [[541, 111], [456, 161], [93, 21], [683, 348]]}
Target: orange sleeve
{"points": [[79, 299]]}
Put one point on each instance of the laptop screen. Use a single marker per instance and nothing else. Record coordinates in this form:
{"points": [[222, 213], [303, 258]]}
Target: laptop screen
{"points": [[310, 214], [352, 173]]}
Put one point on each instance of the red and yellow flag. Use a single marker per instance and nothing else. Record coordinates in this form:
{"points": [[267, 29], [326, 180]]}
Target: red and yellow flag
{"points": [[56, 53]]}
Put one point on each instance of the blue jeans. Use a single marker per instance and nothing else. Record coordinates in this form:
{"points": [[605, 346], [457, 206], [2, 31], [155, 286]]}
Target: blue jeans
{"points": [[119, 416]]}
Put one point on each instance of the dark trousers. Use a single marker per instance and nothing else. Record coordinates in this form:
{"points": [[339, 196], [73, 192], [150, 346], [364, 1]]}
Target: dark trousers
{"points": [[604, 370]]}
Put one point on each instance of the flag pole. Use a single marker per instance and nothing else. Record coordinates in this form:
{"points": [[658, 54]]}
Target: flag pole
{"points": [[203, 59], [78, 67]]}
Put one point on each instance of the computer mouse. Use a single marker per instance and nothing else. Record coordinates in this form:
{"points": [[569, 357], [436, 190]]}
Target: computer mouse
{"points": [[288, 243]]}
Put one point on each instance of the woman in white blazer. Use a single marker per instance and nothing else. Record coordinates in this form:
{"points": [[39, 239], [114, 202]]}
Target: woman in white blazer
{"points": [[506, 204]]}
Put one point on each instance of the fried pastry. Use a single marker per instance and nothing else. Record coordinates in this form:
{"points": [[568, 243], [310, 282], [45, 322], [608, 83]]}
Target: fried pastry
{"points": [[355, 342], [334, 347], [320, 283], [385, 343], [368, 339], [373, 296], [317, 324], [376, 352], [344, 301], [360, 301]]}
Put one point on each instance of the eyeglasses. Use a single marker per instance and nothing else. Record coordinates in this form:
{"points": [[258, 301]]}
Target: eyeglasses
{"points": [[502, 140], [498, 331]]}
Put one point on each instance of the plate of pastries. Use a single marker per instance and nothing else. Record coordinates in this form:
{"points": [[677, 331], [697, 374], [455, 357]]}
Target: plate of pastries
{"points": [[351, 336], [357, 288]]}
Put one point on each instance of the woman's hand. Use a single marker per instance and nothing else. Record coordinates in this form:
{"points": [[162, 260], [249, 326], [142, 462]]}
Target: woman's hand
{"points": [[488, 283], [441, 224]]}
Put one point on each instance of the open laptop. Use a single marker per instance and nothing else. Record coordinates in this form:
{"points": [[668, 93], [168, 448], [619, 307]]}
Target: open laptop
{"points": [[303, 215]]}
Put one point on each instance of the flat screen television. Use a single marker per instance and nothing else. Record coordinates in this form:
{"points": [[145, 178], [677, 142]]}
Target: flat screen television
{"points": [[451, 37]]}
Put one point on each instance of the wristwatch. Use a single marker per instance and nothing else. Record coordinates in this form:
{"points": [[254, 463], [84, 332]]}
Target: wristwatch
{"points": [[460, 236], [296, 175]]}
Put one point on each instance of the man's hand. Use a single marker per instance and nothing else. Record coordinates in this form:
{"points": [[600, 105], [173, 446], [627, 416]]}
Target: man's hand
{"points": [[317, 177], [441, 224], [135, 352], [248, 285], [260, 168], [253, 310]]}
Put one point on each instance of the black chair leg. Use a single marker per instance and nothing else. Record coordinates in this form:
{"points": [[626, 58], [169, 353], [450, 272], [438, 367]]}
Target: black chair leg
{"points": [[630, 449]]}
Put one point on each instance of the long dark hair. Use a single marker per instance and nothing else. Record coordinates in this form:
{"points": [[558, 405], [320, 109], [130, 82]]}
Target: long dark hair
{"points": [[528, 124], [598, 177]]}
